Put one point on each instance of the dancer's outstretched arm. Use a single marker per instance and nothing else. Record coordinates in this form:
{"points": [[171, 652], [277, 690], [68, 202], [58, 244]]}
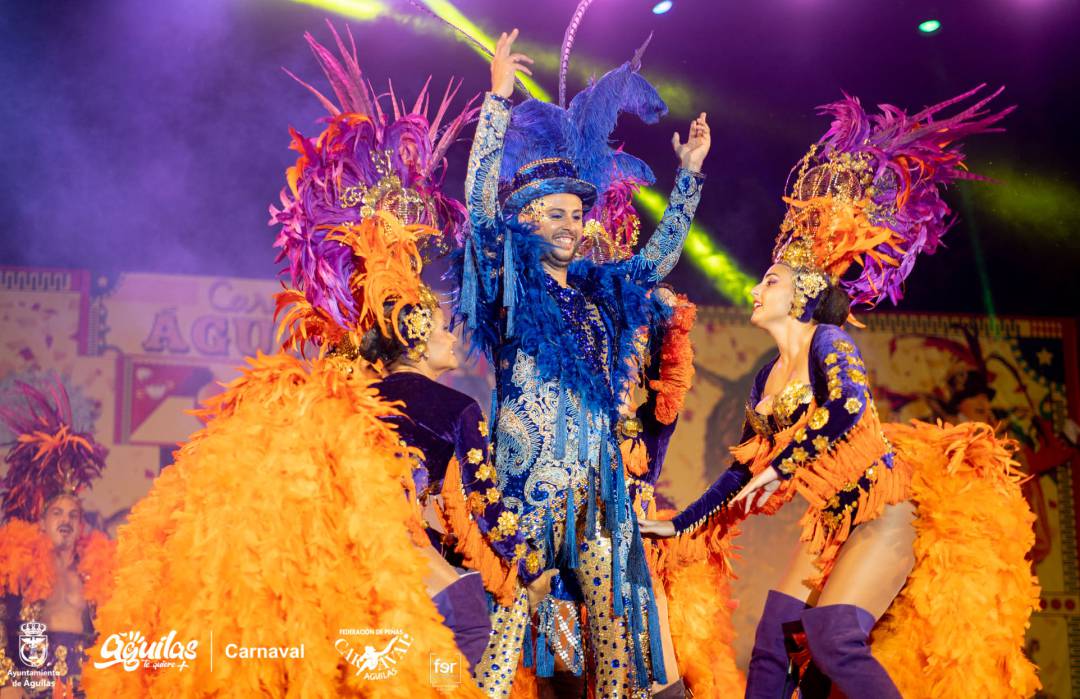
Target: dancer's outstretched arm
{"points": [[714, 501], [483, 251], [656, 260]]}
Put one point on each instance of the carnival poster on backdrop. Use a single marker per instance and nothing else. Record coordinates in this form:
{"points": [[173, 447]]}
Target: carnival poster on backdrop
{"points": [[136, 352]]}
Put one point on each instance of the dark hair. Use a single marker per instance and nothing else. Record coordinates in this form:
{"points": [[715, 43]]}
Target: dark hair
{"points": [[833, 307], [376, 347]]}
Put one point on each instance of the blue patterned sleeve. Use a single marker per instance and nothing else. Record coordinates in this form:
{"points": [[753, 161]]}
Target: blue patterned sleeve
{"points": [[481, 261], [482, 177], [656, 260], [842, 394]]}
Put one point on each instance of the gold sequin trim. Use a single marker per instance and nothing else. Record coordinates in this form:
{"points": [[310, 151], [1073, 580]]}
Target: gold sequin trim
{"points": [[819, 419], [787, 402], [486, 473], [857, 376], [507, 524]]}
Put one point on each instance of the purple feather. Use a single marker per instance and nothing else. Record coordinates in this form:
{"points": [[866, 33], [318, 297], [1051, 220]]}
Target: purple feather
{"points": [[567, 44], [340, 161], [913, 158]]}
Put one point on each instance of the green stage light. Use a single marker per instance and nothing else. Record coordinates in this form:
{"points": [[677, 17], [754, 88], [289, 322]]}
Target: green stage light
{"points": [[930, 26], [715, 262], [370, 10], [447, 11], [363, 10], [1038, 206]]}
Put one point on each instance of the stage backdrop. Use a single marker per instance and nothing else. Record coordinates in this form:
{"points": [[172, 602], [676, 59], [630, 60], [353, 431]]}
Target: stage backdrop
{"points": [[138, 351]]}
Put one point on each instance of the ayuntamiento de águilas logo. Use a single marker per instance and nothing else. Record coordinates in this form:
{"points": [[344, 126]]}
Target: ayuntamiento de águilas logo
{"points": [[33, 644], [34, 653]]}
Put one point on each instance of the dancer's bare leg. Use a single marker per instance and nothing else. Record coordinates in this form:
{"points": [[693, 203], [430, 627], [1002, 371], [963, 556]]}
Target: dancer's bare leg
{"points": [[874, 562]]}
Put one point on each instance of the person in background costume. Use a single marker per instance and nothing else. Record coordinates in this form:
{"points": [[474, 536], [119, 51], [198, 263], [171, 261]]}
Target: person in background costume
{"points": [[560, 334], [292, 518], [53, 571], [895, 537]]}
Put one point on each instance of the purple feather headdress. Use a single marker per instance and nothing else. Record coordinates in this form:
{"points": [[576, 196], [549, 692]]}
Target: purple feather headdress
{"points": [[369, 167], [868, 194], [47, 457]]}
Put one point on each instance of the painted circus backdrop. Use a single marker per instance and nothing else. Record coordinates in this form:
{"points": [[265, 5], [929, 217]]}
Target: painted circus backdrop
{"points": [[139, 351]]}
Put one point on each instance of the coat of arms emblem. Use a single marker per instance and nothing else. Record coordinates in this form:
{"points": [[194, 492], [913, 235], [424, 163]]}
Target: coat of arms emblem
{"points": [[33, 644]]}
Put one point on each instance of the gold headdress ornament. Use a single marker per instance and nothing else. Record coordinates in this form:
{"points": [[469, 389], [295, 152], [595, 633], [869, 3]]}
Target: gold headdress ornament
{"points": [[868, 195]]}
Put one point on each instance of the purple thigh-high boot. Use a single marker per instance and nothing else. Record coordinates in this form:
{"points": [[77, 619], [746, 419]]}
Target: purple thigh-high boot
{"points": [[768, 677], [464, 606], [838, 638]]}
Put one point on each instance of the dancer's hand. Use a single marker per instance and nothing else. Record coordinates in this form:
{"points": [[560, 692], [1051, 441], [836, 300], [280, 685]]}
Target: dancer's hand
{"points": [[540, 588], [692, 153], [758, 490], [666, 296], [657, 528], [505, 64]]}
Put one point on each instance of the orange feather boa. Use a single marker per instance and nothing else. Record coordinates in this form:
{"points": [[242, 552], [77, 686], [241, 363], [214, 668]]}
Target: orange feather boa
{"points": [[281, 522], [676, 363]]}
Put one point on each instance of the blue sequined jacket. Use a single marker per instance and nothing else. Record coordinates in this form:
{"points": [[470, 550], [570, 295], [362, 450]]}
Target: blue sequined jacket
{"points": [[561, 355], [446, 424]]}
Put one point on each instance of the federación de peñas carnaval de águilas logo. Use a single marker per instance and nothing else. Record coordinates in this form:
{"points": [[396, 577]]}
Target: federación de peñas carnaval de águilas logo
{"points": [[377, 654]]}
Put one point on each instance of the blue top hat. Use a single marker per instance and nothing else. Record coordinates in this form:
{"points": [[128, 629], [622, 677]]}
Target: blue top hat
{"points": [[542, 177]]}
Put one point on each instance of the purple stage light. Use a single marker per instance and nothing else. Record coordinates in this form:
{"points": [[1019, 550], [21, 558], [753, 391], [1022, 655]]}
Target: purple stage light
{"points": [[662, 7]]}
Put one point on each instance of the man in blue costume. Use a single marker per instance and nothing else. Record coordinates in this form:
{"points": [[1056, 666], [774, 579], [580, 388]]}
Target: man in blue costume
{"points": [[560, 333]]}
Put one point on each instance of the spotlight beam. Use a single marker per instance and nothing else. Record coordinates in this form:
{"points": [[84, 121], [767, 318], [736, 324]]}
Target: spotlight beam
{"points": [[448, 12], [714, 262]]}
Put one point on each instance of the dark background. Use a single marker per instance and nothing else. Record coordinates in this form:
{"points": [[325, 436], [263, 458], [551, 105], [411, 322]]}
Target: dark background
{"points": [[152, 136]]}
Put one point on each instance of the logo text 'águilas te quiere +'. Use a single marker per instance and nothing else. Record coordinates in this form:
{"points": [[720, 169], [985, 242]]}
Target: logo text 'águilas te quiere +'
{"points": [[133, 650]]}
